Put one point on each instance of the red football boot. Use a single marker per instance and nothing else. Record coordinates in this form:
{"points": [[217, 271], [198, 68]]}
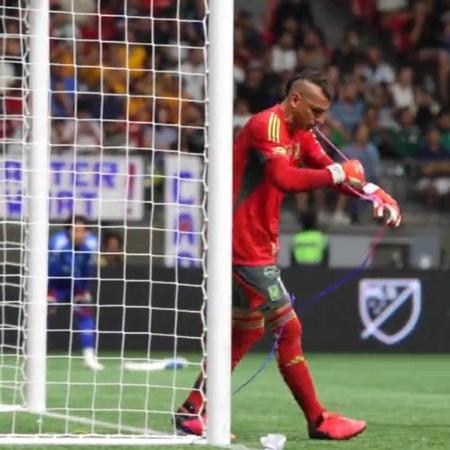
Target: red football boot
{"points": [[335, 427], [188, 423]]}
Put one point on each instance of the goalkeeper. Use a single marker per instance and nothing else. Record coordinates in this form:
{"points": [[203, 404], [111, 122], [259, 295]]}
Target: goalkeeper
{"points": [[277, 152], [72, 260]]}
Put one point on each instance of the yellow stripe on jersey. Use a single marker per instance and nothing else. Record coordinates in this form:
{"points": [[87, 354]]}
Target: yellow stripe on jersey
{"points": [[269, 128], [277, 128], [273, 129]]}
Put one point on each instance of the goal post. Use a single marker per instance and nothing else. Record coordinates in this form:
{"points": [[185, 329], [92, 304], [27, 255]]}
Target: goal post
{"points": [[219, 208], [119, 112], [37, 201]]}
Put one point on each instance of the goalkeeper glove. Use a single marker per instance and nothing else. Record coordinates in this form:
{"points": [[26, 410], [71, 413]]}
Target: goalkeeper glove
{"points": [[350, 172], [82, 298], [384, 206]]}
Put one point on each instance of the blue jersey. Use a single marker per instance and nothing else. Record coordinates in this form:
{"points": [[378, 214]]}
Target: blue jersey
{"points": [[71, 268]]}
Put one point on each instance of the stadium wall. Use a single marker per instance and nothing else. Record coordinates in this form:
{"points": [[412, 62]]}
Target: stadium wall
{"points": [[377, 310]]}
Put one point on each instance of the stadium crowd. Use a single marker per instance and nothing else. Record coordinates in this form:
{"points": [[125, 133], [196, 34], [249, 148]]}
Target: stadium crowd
{"points": [[118, 83]]}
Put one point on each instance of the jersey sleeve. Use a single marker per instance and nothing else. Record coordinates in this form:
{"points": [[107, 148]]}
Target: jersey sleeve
{"points": [[265, 138], [315, 156], [313, 153]]}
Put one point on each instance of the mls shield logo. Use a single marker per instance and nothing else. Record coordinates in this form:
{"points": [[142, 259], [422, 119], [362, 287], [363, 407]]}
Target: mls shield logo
{"points": [[389, 308]]}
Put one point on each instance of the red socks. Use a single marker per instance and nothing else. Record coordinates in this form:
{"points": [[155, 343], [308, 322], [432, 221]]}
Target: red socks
{"points": [[292, 363], [246, 332]]}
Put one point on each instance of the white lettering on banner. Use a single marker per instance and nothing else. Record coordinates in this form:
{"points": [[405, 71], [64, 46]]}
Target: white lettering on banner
{"points": [[183, 190], [380, 299], [110, 188]]}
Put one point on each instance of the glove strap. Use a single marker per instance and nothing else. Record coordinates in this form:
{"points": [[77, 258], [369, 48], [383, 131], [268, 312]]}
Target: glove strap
{"points": [[370, 188], [337, 173]]}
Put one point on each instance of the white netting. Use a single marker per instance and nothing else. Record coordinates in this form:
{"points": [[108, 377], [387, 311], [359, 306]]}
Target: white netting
{"points": [[127, 151]]}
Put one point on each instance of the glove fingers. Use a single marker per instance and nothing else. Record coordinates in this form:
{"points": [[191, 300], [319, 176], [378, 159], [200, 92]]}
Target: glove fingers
{"points": [[378, 210]]}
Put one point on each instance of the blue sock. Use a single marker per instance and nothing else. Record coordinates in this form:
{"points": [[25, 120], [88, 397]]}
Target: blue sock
{"points": [[86, 330]]}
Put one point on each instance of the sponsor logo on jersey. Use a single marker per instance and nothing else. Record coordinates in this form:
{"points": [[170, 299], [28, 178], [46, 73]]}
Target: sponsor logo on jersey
{"points": [[275, 292], [271, 272], [280, 150]]}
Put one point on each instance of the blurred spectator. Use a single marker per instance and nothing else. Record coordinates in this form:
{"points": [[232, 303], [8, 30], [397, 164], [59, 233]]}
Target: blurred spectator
{"points": [[444, 129], [382, 99], [254, 90], [377, 134], [83, 133], [406, 139], [427, 108], [193, 70], [299, 10], [165, 133], [112, 249], [350, 52], [313, 54], [425, 46], [241, 113], [402, 89], [393, 18], [193, 131], [377, 70], [310, 244], [7, 75], [348, 110], [62, 92], [366, 152], [284, 56], [245, 21], [170, 94], [434, 168]]}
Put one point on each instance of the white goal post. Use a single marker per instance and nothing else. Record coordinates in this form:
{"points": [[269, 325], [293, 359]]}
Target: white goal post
{"points": [[119, 112]]}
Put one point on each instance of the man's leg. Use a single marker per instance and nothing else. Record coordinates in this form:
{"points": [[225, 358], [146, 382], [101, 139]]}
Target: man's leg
{"points": [[292, 364], [247, 329], [85, 325]]}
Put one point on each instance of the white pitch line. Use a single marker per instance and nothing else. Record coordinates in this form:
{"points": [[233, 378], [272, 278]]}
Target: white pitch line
{"points": [[101, 423]]}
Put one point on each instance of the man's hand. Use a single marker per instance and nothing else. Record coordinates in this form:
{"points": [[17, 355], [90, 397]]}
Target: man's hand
{"points": [[350, 172], [82, 298], [384, 206]]}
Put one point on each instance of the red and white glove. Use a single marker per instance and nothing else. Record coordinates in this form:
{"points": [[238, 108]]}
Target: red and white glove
{"points": [[350, 172], [82, 298], [384, 206]]}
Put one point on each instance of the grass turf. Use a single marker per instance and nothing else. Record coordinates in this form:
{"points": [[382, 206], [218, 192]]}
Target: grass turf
{"points": [[404, 398]]}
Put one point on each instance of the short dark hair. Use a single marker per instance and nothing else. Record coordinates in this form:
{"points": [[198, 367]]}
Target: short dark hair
{"points": [[78, 219], [108, 235], [315, 77]]}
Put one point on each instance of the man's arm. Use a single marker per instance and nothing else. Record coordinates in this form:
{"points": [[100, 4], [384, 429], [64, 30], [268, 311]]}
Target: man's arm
{"points": [[288, 178], [384, 206]]}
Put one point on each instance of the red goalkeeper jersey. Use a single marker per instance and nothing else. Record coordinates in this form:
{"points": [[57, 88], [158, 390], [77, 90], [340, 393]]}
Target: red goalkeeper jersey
{"points": [[267, 159]]}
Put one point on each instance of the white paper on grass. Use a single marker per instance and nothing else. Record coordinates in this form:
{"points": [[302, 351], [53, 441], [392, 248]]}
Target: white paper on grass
{"points": [[273, 441]]}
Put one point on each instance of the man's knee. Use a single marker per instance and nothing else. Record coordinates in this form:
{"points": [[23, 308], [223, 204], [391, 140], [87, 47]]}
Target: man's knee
{"points": [[288, 331]]}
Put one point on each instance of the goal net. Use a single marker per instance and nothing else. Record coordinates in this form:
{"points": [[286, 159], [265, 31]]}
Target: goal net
{"points": [[103, 210]]}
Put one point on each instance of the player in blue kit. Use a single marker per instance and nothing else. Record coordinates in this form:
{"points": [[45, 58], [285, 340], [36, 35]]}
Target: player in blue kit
{"points": [[72, 261]]}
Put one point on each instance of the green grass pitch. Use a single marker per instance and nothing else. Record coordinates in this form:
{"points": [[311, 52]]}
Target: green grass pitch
{"points": [[404, 398]]}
